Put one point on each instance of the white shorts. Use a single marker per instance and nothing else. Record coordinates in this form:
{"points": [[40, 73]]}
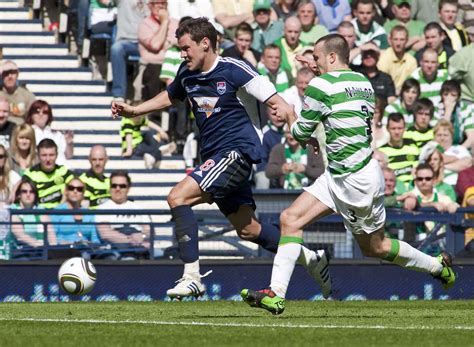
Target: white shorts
{"points": [[357, 197]]}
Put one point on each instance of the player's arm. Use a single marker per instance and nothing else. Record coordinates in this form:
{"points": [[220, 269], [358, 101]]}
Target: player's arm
{"points": [[122, 109]]}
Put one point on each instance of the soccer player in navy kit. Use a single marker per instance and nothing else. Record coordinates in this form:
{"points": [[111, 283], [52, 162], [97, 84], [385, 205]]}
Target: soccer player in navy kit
{"points": [[230, 145]]}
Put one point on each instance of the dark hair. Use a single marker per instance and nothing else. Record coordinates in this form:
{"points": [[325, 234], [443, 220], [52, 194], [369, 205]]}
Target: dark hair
{"points": [[446, 2], [121, 173], [34, 109], [451, 86], [243, 28], [198, 29], [26, 180], [47, 143], [408, 84], [183, 19], [424, 166], [395, 117], [337, 44], [363, 2], [423, 104], [433, 26], [271, 46]]}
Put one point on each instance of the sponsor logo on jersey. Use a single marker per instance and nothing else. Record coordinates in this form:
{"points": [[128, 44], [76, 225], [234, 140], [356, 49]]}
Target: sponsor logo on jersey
{"points": [[221, 87], [206, 104], [191, 89]]}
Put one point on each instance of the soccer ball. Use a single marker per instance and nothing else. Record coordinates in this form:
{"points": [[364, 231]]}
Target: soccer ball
{"points": [[77, 276]]}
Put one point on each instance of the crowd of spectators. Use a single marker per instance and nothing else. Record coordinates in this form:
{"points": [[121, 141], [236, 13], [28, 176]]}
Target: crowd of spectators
{"points": [[417, 54]]}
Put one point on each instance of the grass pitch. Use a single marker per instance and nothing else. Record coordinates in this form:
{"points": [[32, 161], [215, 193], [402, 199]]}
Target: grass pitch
{"points": [[224, 323]]}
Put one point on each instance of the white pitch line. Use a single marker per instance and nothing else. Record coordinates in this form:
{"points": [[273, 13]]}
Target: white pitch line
{"points": [[238, 325]]}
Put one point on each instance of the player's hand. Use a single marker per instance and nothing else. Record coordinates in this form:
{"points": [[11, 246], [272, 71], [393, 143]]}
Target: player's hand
{"points": [[277, 112], [310, 63], [121, 109]]}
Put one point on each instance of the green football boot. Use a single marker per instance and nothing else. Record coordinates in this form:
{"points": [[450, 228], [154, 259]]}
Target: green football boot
{"points": [[447, 275], [265, 299]]}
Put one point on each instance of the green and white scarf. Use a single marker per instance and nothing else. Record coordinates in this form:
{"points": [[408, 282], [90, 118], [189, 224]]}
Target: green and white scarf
{"points": [[295, 180]]}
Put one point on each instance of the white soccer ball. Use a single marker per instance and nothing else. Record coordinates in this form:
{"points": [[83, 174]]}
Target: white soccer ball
{"points": [[77, 276]]}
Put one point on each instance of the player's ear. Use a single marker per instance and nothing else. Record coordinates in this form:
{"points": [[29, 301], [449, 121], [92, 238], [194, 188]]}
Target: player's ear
{"points": [[205, 43]]}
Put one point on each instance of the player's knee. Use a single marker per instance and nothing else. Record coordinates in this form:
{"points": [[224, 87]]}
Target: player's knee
{"points": [[174, 198], [287, 220], [374, 250]]}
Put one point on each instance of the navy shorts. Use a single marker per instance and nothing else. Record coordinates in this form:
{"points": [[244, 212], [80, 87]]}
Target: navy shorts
{"points": [[226, 177]]}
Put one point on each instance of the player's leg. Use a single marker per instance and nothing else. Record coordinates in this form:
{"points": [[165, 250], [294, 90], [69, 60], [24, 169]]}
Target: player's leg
{"points": [[181, 198], [401, 253], [304, 209]]}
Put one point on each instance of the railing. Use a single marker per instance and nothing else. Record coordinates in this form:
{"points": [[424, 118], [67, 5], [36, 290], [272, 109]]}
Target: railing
{"points": [[215, 240]]}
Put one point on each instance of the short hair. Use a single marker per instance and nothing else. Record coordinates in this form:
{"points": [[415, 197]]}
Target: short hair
{"points": [[198, 29], [304, 71], [387, 169], [447, 2], [306, 2], [429, 50], [424, 166], [337, 44], [34, 108], [443, 124], [346, 24], [423, 104], [271, 46], [451, 86], [433, 26], [363, 2], [410, 83], [121, 173], [395, 117], [243, 28], [399, 28], [47, 143]]}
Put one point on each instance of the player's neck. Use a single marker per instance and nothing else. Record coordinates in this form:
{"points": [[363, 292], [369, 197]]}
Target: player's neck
{"points": [[209, 62], [337, 66]]}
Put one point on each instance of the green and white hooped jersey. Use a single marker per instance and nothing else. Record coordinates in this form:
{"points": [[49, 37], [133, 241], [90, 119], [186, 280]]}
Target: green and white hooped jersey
{"points": [[344, 102]]}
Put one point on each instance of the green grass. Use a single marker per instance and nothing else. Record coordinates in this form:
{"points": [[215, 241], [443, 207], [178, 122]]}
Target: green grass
{"points": [[370, 323]]}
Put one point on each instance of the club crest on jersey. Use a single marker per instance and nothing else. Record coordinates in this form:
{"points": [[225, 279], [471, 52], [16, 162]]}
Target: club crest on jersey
{"points": [[206, 104], [221, 87]]}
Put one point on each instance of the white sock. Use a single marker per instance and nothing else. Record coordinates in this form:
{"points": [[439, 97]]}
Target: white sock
{"points": [[414, 259], [192, 269], [283, 266]]}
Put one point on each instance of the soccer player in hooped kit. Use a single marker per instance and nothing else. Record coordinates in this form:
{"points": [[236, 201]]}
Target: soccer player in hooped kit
{"points": [[353, 184], [230, 145]]}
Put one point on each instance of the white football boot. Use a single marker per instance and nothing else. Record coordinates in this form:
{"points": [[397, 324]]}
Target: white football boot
{"points": [[188, 286], [318, 268]]}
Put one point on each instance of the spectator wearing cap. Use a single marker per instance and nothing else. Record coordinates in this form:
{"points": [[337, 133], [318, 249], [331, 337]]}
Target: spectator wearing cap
{"points": [[19, 97], [435, 38], [395, 60], [310, 31], [367, 29], [290, 44], [333, 12], [402, 11], [265, 30], [232, 13], [426, 11], [430, 76], [448, 10], [461, 69], [381, 82]]}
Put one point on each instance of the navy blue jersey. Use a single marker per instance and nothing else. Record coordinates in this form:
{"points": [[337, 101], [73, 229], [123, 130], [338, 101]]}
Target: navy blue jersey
{"points": [[221, 116]]}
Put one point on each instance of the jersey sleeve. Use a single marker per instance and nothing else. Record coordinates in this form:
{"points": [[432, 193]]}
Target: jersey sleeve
{"points": [[176, 89], [244, 75], [316, 107]]}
